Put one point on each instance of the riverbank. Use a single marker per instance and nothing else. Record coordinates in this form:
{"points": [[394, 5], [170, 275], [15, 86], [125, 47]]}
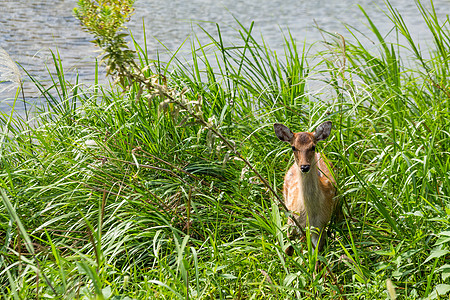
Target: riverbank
{"points": [[112, 194]]}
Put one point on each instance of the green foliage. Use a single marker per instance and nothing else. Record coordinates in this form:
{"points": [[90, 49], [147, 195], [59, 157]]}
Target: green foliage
{"points": [[105, 20], [122, 194]]}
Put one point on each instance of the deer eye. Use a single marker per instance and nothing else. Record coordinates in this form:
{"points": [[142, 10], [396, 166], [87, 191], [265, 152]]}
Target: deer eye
{"points": [[293, 148], [313, 148]]}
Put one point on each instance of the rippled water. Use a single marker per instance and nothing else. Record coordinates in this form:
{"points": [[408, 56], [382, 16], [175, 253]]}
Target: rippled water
{"points": [[29, 28]]}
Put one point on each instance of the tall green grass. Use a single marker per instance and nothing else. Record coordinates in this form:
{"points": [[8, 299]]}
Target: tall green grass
{"points": [[108, 196]]}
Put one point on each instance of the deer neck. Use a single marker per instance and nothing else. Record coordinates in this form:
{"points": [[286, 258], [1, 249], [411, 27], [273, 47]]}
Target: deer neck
{"points": [[309, 190]]}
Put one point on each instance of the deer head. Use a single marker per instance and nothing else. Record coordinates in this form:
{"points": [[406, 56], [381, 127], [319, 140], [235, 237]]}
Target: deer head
{"points": [[303, 143]]}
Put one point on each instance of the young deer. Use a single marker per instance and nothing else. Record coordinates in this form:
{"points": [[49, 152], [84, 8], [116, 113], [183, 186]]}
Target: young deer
{"points": [[308, 185]]}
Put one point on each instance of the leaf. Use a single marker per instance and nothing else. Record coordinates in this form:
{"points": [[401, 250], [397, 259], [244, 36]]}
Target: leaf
{"points": [[13, 214], [445, 269], [439, 291], [436, 253], [227, 276], [107, 292], [288, 279], [444, 237], [442, 240]]}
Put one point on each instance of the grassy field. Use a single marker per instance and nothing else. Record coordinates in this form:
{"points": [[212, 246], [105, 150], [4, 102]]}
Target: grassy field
{"points": [[113, 194]]}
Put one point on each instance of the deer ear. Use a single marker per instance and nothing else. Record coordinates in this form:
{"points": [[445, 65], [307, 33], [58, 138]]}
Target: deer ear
{"points": [[283, 133], [322, 131]]}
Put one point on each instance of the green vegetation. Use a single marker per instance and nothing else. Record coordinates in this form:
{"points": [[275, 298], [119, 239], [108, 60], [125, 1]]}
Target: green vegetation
{"points": [[160, 186]]}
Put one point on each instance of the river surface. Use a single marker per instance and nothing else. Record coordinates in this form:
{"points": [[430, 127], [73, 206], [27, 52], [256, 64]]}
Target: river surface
{"points": [[29, 29]]}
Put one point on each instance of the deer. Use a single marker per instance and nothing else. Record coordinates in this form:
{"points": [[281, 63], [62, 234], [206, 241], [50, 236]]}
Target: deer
{"points": [[309, 186]]}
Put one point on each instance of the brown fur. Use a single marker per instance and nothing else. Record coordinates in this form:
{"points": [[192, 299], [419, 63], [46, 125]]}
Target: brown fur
{"points": [[310, 195]]}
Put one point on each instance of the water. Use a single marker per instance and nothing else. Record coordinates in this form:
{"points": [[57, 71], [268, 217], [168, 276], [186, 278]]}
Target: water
{"points": [[29, 29]]}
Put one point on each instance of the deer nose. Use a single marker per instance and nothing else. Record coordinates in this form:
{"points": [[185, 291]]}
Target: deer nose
{"points": [[305, 168]]}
